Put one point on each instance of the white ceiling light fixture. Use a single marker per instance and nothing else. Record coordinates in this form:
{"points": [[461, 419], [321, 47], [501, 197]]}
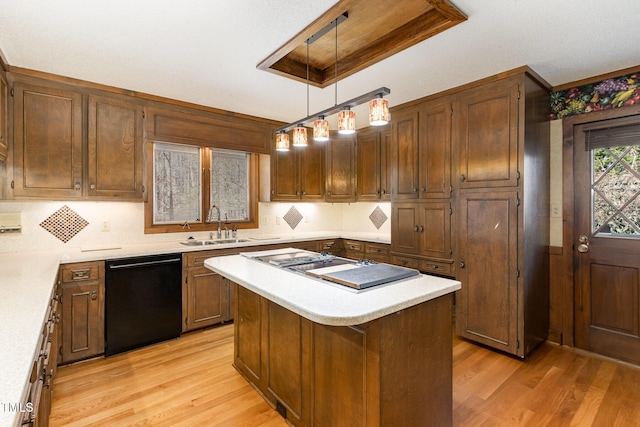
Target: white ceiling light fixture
{"points": [[378, 106]]}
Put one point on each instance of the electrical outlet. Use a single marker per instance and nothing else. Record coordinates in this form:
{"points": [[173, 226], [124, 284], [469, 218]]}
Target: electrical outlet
{"points": [[106, 226], [263, 220]]}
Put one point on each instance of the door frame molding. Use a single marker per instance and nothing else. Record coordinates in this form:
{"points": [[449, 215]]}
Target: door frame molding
{"points": [[568, 208]]}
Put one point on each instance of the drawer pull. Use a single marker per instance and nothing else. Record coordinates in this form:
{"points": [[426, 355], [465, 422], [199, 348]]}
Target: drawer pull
{"points": [[94, 295], [80, 274]]}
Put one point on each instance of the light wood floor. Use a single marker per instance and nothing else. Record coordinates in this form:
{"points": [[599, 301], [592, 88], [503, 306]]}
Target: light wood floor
{"points": [[190, 382]]}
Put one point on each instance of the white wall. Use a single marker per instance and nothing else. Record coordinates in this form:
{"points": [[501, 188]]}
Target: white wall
{"points": [[555, 238], [126, 223]]}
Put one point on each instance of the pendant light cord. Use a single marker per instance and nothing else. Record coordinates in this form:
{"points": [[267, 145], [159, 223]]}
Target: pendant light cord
{"points": [[335, 68], [307, 77]]}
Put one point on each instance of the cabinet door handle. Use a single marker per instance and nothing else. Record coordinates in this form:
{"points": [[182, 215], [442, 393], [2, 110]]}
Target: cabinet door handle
{"points": [[462, 264], [94, 296], [421, 229], [415, 228], [77, 186], [463, 178], [92, 186]]}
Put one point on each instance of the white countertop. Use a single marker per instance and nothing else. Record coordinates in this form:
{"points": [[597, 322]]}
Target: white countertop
{"points": [[26, 285], [324, 302]]}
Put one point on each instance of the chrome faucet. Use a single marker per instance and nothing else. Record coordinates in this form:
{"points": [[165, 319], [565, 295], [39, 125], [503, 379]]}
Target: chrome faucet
{"points": [[219, 221]]}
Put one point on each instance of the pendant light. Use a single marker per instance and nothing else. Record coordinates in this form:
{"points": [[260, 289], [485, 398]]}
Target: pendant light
{"points": [[346, 121], [378, 106], [282, 141], [300, 136], [378, 111], [321, 130]]}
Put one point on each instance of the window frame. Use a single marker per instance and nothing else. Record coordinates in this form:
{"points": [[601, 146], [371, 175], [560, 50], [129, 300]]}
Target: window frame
{"points": [[205, 177]]}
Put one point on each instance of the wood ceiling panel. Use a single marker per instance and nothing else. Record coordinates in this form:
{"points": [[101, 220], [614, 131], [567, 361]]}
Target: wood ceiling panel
{"points": [[374, 30]]}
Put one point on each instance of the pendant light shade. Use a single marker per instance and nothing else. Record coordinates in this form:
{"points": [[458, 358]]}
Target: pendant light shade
{"points": [[346, 121], [321, 130], [300, 136], [282, 141], [378, 112]]}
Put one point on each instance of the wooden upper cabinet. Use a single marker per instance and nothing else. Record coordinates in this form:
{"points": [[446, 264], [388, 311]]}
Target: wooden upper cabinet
{"points": [[47, 154], [311, 167], [435, 149], [386, 141], [368, 164], [4, 117], [405, 154], [115, 146], [341, 168], [486, 122], [298, 174]]}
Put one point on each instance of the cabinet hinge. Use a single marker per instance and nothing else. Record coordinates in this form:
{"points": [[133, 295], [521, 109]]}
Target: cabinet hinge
{"points": [[450, 211], [450, 251], [12, 184], [60, 298], [11, 92], [518, 175], [518, 273], [143, 115], [450, 189], [517, 343], [518, 94], [518, 201], [451, 109], [186, 320]]}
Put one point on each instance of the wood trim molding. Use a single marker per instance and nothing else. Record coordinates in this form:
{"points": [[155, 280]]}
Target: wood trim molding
{"points": [[598, 78]]}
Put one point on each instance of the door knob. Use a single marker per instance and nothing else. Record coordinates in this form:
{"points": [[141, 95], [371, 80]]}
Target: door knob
{"points": [[583, 247]]}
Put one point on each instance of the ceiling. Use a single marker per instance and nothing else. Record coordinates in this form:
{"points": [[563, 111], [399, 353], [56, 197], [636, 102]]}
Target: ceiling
{"points": [[206, 51]]}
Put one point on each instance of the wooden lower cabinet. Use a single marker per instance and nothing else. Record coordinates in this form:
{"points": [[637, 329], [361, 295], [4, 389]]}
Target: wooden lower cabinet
{"points": [[206, 296], [395, 370], [82, 305]]}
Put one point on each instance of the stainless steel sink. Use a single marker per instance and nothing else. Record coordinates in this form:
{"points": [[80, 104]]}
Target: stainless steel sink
{"points": [[203, 242]]}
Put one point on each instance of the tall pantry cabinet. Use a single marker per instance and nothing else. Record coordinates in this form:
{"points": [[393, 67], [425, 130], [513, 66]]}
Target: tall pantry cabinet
{"points": [[501, 175], [470, 200]]}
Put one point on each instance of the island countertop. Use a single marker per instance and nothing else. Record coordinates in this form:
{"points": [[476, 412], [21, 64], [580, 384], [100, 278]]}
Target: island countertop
{"points": [[324, 302]]}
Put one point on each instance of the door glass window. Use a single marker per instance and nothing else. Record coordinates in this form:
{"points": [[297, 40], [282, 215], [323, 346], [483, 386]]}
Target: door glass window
{"points": [[615, 190]]}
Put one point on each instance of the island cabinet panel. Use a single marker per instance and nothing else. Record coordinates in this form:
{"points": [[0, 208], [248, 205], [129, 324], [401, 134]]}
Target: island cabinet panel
{"points": [[341, 168], [248, 336], [114, 148], [48, 147], [289, 362], [395, 370], [82, 306]]}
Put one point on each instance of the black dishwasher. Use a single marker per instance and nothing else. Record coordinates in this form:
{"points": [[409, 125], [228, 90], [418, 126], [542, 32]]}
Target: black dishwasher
{"points": [[143, 301]]}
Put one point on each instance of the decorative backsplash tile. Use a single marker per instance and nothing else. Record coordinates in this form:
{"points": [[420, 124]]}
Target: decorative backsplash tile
{"points": [[378, 217], [293, 217], [64, 224]]}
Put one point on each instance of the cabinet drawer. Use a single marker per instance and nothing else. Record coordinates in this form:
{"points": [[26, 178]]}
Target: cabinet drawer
{"points": [[81, 272], [406, 261], [376, 249], [437, 267], [351, 245], [328, 245], [196, 259]]}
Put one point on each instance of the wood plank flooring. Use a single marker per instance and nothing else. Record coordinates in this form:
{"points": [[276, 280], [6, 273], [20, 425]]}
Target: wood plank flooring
{"points": [[190, 382]]}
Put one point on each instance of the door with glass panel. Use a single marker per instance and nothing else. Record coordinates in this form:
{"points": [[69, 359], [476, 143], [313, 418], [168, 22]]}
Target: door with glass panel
{"points": [[607, 237]]}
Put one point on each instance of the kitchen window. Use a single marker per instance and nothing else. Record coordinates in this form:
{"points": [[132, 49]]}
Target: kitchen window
{"points": [[187, 180]]}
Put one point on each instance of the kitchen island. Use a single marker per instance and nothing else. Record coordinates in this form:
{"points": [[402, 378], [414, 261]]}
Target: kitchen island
{"points": [[324, 354]]}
